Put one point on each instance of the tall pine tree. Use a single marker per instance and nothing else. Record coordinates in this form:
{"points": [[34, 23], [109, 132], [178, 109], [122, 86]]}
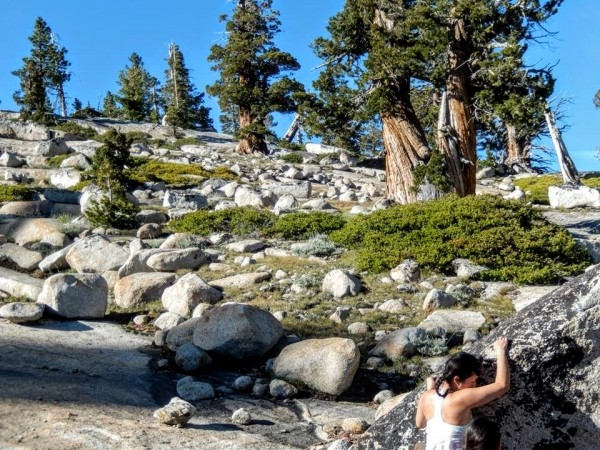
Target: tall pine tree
{"points": [[183, 105], [252, 72], [135, 93], [110, 107], [45, 71]]}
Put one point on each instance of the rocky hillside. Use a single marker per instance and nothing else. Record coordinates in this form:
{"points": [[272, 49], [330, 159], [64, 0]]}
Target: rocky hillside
{"points": [[257, 305]]}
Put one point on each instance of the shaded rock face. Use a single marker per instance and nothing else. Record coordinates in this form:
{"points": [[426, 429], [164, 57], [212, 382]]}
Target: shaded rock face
{"points": [[237, 331], [554, 357]]}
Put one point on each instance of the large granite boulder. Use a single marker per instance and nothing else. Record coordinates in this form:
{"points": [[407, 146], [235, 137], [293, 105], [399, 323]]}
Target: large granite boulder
{"points": [[142, 288], [237, 331], [554, 356], [327, 365], [75, 296], [96, 254], [569, 197], [187, 293]]}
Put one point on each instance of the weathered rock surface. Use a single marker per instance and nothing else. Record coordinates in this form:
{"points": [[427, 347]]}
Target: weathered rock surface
{"points": [[142, 288], [96, 254], [554, 358], [401, 342], [187, 292], [20, 285], [173, 260], [453, 321], [176, 412], [27, 231], [237, 331], [573, 196], [241, 281], [19, 312], [327, 365], [341, 284], [25, 259], [75, 296]]}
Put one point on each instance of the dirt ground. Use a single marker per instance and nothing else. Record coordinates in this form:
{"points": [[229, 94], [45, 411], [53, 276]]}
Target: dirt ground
{"points": [[88, 385]]}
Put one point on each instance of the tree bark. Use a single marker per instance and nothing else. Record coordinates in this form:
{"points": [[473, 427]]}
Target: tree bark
{"points": [[62, 100], [251, 142], [566, 164], [292, 129], [518, 157], [459, 125], [406, 148]]}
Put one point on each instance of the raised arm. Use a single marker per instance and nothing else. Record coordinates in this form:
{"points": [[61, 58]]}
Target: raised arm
{"points": [[474, 397]]}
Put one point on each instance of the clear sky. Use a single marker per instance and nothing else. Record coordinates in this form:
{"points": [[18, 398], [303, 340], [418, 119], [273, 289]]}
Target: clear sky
{"points": [[100, 36]]}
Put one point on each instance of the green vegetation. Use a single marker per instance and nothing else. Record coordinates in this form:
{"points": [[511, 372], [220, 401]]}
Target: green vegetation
{"points": [[57, 160], [75, 129], [509, 237], [292, 158], [117, 212], [137, 91], [305, 225], [11, 193], [317, 246], [239, 221], [536, 188], [174, 174]]}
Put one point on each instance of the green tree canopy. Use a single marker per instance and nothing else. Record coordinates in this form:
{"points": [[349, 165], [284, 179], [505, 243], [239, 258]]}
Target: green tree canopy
{"points": [[252, 72], [136, 90], [184, 107], [44, 71]]}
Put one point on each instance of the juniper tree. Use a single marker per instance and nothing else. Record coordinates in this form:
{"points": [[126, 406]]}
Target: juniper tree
{"points": [[43, 72], [252, 72], [392, 48], [136, 87], [182, 104]]}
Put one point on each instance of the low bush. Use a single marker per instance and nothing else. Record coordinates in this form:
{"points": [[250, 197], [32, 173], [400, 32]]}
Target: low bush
{"points": [[138, 137], [509, 237], [186, 141], [57, 160], [536, 187], [305, 225], [317, 246], [77, 130], [238, 221], [117, 213], [292, 158], [13, 193]]}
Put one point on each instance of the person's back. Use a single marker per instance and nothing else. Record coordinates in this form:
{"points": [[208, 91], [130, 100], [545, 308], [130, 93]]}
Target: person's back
{"points": [[445, 409]]}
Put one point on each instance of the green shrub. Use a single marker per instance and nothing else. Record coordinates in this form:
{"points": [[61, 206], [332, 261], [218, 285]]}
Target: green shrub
{"points": [[509, 237], [292, 158], [13, 193], [138, 137], [187, 141], [239, 221], [77, 130], [57, 160], [317, 246], [116, 213], [536, 188], [305, 225], [81, 185]]}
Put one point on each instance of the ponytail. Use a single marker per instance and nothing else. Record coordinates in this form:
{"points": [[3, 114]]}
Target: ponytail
{"points": [[461, 365]]}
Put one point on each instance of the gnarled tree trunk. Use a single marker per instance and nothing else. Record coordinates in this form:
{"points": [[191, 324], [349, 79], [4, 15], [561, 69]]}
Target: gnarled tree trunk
{"points": [[406, 148], [456, 140], [518, 156], [251, 142]]}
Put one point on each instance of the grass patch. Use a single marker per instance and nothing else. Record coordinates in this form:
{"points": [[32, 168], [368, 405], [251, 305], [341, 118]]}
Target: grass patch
{"points": [[173, 174], [57, 160], [292, 158], [509, 237], [13, 193], [536, 188]]}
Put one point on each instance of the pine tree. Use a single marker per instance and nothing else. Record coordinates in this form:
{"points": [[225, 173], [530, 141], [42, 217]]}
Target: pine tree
{"points": [[252, 72], [109, 106], [43, 72], [109, 171], [183, 105], [77, 105], [136, 87]]}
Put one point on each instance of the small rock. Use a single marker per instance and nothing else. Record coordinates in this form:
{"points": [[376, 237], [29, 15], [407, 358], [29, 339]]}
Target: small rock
{"points": [[359, 328], [243, 383], [195, 390], [382, 396], [241, 417], [177, 412], [354, 426], [282, 389], [191, 358], [22, 312]]}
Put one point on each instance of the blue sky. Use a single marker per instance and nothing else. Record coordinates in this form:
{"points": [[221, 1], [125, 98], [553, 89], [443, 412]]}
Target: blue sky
{"points": [[100, 36]]}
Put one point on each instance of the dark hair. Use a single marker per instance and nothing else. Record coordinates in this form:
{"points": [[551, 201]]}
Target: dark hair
{"points": [[461, 365], [483, 434]]}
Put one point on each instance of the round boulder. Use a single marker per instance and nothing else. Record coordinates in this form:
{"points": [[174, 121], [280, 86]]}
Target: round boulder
{"points": [[327, 365], [237, 331], [75, 296]]}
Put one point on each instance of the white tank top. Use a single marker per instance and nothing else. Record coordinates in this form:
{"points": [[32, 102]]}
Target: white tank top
{"points": [[442, 435]]}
